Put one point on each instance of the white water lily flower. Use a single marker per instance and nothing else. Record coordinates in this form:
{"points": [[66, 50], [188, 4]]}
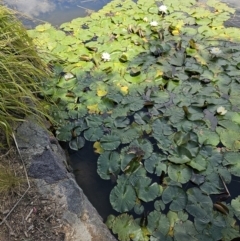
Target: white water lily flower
{"points": [[221, 110], [163, 9], [215, 51], [106, 56], [154, 23], [145, 19], [68, 76]]}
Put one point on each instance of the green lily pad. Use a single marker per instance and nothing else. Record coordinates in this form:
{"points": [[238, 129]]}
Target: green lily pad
{"points": [[212, 184], [199, 205], [155, 164], [158, 224], [184, 231], [231, 161], [93, 134], [121, 122], [124, 226], [176, 196], [236, 206], [123, 197], [77, 143], [110, 142], [146, 191], [179, 173], [108, 163]]}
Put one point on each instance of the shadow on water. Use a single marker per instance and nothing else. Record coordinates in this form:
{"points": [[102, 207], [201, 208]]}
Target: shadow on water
{"points": [[84, 164]]}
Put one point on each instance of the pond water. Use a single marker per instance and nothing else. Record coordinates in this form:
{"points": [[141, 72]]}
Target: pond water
{"points": [[57, 11], [84, 162], [60, 11]]}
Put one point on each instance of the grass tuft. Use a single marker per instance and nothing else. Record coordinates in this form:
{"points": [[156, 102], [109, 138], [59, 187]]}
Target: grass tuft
{"points": [[8, 180], [22, 73]]}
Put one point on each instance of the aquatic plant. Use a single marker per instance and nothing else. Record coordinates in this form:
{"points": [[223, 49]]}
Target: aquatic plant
{"points": [[163, 113]]}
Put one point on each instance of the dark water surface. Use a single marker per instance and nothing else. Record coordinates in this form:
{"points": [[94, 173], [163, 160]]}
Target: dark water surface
{"points": [[84, 162]]}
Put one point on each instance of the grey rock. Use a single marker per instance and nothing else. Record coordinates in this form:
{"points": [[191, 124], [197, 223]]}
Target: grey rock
{"points": [[30, 135], [47, 167], [46, 163]]}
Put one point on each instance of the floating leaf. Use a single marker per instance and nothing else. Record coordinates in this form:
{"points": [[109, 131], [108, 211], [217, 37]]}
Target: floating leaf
{"points": [[110, 142], [198, 163], [199, 205], [93, 134], [231, 160], [123, 197], [155, 164], [212, 184], [184, 231], [108, 163], [176, 196], [77, 143], [158, 224], [97, 147], [236, 206], [146, 191], [124, 226], [179, 173], [121, 122]]}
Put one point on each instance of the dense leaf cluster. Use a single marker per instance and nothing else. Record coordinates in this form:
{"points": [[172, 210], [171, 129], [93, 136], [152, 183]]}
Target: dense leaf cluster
{"points": [[152, 110]]}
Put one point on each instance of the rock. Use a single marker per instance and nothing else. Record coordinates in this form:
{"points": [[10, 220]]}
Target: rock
{"points": [[46, 165]]}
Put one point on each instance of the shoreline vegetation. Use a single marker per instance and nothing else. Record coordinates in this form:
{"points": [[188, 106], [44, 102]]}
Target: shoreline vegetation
{"points": [[22, 73], [157, 95]]}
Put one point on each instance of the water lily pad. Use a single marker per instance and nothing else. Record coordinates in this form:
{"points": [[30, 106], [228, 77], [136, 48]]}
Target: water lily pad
{"points": [[199, 205], [121, 122], [236, 206], [77, 143], [108, 163], [146, 191], [179, 173], [184, 231], [212, 184], [93, 134], [176, 196], [123, 197], [158, 224], [155, 164], [110, 142], [124, 226], [231, 161]]}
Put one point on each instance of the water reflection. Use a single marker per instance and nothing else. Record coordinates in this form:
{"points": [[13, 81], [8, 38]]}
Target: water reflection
{"points": [[32, 8], [57, 11], [60, 11]]}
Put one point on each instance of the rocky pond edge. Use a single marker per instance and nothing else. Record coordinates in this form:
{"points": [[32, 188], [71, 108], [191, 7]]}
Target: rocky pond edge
{"points": [[46, 165]]}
